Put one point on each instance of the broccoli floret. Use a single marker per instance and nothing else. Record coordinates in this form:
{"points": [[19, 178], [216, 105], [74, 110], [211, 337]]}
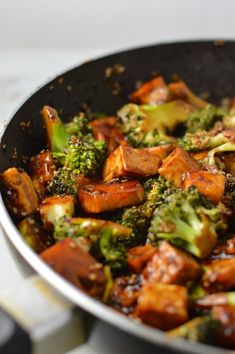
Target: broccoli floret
{"points": [[107, 239], [83, 156], [201, 141], [199, 329], [138, 217], [155, 138], [142, 123], [204, 119], [188, 220], [63, 183], [57, 135], [79, 126]]}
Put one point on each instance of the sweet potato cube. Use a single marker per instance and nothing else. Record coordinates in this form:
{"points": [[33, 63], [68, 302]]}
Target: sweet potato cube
{"points": [[163, 306], [171, 266], [211, 185], [126, 161], [154, 91], [20, 195], [42, 169], [76, 265], [176, 165], [100, 197], [219, 275], [138, 257]]}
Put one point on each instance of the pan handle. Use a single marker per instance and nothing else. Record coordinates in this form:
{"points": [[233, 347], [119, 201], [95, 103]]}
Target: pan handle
{"points": [[37, 319]]}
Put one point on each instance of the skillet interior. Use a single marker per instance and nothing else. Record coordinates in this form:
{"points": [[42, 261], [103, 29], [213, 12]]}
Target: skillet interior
{"points": [[203, 65]]}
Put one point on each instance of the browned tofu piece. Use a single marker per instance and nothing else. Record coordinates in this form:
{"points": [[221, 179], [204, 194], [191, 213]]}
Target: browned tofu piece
{"points": [[199, 156], [176, 165], [171, 266], [126, 161], [221, 250], [161, 151], [138, 257], [163, 306], [225, 336], [154, 91], [100, 197], [219, 275], [53, 208], [42, 169], [211, 185], [19, 193], [181, 91], [108, 129], [124, 293], [76, 265], [229, 163]]}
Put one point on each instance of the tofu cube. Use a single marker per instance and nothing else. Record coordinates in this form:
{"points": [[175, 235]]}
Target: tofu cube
{"points": [[176, 165], [211, 185], [126, 161], [163, 306], [219, 275]]}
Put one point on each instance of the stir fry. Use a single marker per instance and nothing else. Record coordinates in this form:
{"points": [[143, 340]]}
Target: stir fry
{"points": [[137, 209]]}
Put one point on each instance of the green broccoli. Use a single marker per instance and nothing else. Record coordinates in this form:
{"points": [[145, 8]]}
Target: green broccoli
{"points": [[155, 138], [188, 220], [79, 126], [107, 239], [204, 119], [202, 140], [137, 121], [83, 156], [199, 329], [138, 217], [57, 135], [62, 183]]}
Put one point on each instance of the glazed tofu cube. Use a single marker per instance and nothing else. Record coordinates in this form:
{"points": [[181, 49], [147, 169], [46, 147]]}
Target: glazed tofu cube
{"points": [[154, 91], [171, 266], [19, 193], [199, 156], [219, 275], [68, 259], [108, 129], [42, 169], [181, 91], [100, 197], [163, 306], [211, 185], [53, 208], [138, 257], [226, 330], [161, 151], [126, 161], [229, 163], [176, 165]]}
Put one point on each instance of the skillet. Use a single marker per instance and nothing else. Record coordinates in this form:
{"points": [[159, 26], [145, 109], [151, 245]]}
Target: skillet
{"points": [[204, 66]]}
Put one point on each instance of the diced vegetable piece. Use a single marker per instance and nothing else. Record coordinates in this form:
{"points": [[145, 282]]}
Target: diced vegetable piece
{"points": [[53, 208], [57, 135], [34, 235], [153, 92], [176, 165], [108, 129], [126, 161], [171, 266], [229, 163], [125, 292], [181, 91], [138, 257], [163, 306], [101, 197], [42, 169], [226, 332], [20, 195], [77, 266], [211, 185], [219, 275]]}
